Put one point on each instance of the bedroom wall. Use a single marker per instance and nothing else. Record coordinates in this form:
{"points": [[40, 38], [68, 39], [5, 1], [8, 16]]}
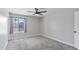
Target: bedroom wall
{"points": [[3, 28], [33, 25], [59, 23]]}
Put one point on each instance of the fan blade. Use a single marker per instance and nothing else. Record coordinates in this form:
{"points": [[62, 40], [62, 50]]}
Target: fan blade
{"points": [[43, 11], [34, 14], [40, 14], [31, 11], [36, 9]]}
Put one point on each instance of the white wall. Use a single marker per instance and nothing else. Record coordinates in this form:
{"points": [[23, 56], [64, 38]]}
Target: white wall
{"points": [[33, 25], [3, 28], [59, 23]]}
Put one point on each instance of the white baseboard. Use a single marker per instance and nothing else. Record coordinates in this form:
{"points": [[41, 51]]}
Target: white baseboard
{"points": [[5, 45], [45, 35]]}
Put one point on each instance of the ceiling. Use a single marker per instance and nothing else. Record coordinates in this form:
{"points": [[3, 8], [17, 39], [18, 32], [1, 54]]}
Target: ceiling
{"points": [[23, 11]]}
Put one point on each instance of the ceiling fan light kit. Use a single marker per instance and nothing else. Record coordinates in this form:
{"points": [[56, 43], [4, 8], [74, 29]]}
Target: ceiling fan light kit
{"points": [[38, 11]]}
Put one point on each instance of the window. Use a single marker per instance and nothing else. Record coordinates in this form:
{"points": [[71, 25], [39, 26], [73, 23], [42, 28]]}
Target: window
{"points": [[18, 24]]}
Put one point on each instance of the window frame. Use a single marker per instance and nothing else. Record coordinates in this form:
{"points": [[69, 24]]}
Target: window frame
{"points": [[18, 24]]}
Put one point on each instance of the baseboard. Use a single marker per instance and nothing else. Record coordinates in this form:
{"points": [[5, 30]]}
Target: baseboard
{"points": [[45, 35], [5, 46]]}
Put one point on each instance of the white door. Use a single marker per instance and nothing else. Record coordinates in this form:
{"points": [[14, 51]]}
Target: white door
{"points": [[76, 29]]}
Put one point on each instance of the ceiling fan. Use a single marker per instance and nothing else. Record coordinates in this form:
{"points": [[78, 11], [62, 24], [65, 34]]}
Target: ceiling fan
{"points": [[37, 11]]}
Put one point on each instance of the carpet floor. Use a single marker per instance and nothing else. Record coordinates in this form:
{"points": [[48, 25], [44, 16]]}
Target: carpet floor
{"points": [[37, 43]]}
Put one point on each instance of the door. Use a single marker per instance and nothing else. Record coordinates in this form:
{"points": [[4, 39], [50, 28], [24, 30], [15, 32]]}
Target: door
{"points": [[76, 30]]}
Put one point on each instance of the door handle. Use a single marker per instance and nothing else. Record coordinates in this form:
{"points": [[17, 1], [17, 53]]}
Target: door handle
{"points": [[75, 31]]}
